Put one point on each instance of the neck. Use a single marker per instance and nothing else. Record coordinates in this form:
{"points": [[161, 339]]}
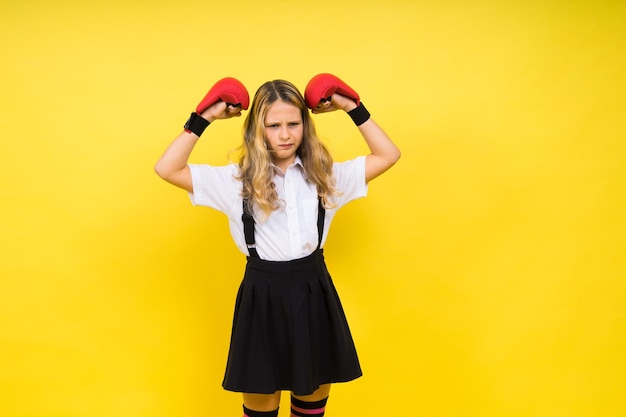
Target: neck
{"points": [[284, 164]]}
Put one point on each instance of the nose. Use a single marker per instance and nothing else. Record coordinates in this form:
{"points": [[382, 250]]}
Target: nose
{"points": [[283, 133]]}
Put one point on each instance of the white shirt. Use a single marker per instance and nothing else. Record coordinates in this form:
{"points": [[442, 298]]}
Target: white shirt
{"points": [[290, 232]]}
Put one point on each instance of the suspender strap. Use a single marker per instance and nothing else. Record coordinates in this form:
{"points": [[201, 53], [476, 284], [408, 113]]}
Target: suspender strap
{"points": [[248, 227], [248, 230], [321, 214]]}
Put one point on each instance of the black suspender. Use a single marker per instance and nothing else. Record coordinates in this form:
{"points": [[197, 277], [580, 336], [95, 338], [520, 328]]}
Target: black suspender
{"points": [[248, 227], [248, 230], [321, 214]]}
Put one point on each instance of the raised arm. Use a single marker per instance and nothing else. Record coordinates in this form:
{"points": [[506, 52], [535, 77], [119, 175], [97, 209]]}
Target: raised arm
{"points": [[383, 152], [325, 93], [172, 166], [224, 100]]}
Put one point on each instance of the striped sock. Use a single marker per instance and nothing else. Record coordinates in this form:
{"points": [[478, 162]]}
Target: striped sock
{"points": [[301, 408], [251, 413]]}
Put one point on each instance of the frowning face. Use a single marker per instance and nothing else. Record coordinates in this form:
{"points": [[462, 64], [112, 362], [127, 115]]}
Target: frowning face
{"points": [[283, 132]]}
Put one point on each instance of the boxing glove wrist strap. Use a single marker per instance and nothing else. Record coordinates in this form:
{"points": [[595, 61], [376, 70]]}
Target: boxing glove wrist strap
{"points": [[196, 124], [359, 114]]}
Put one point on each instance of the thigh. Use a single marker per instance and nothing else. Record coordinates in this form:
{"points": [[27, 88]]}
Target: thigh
{"points": [[319, 394], [261, 402]]}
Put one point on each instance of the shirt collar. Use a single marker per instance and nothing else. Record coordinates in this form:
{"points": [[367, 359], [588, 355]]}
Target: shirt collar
{"points": [[297, 162]]}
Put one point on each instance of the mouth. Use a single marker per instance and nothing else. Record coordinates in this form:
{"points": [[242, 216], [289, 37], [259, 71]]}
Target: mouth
{"points": [[285, 146]]}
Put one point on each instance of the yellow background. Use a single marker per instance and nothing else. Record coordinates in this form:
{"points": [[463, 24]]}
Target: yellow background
{"points": [[483, 276]]}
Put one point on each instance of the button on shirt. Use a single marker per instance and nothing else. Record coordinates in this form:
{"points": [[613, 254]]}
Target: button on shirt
{"points": [[290, 232]]}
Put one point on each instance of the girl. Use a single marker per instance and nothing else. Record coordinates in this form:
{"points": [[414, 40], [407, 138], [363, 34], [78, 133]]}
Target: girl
{"points": [[289, 330]]}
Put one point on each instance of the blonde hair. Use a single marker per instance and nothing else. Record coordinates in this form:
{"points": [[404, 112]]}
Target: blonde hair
{"points": [[256, 172]]}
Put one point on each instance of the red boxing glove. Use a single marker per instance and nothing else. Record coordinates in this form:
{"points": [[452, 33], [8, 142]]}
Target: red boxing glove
{"points": [[323, 86], [229, 90]]}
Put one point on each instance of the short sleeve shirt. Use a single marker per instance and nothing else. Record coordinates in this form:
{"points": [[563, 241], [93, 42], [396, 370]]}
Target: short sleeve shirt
{"points": [[290, 232]]}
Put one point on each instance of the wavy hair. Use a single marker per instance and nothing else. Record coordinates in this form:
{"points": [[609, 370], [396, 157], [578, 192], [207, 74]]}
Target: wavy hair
{"points": [[255, 170]]}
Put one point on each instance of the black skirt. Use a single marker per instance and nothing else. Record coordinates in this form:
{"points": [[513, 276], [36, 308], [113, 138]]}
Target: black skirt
{"points": [[289, 330]]}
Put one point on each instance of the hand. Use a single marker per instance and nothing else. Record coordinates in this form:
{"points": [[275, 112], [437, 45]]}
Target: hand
{"points": [[325, 92], [336, 102], [224, 100], [221, 110]]}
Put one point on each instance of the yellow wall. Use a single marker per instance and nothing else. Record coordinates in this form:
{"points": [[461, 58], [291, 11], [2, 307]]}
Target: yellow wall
{"points": [[483, 276]]}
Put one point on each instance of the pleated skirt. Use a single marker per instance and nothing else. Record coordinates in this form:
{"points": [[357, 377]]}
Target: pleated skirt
{"points": [[289, 330]]}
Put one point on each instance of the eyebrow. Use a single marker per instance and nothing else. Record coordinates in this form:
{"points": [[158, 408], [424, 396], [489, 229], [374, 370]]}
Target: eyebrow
{"points": [[271, 122]]}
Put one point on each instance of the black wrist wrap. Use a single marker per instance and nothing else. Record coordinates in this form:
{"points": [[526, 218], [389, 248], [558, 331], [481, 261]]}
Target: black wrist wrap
{"points": [[359, 114], [196, 124]]}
